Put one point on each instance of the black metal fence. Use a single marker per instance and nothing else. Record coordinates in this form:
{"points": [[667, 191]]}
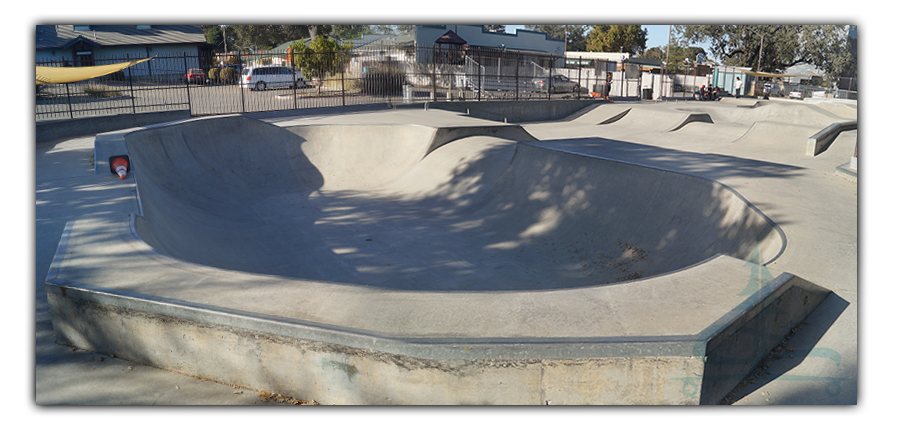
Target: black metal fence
{"points": [[357, 77]]}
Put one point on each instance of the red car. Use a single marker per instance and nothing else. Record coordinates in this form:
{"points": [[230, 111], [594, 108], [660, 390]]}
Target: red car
{"points": [[195, 76]]}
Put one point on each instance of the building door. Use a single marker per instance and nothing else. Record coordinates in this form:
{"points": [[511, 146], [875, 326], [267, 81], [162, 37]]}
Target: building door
{"points": [[83, 54]]}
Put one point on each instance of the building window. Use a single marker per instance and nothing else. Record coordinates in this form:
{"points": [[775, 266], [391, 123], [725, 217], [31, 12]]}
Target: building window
{"points": [[82, 27], [142, 27]]}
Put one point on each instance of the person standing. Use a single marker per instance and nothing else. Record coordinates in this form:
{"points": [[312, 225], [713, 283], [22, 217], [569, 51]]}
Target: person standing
{"points": [[609, 80], [737, 88]]}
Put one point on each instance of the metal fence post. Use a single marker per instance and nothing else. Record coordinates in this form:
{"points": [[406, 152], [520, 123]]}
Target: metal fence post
{"points": [[343, 90], [550, 79], [579, 79], [293, 74], [187, 84], [131, 86], [241, 89], [434, 72], [480, 75], [69, 101], [517, 75]]}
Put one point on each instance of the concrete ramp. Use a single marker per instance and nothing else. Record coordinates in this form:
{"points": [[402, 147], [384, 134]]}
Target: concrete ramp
{"points": [[767, 133], [785, 113]]}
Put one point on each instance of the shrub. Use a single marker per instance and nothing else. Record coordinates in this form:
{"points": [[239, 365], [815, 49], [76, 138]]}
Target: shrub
{"points": [[101, 91], [213, 74], [228, 75], [383, 81]]}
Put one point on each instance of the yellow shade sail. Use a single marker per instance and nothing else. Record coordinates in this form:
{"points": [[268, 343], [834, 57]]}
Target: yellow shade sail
{"points": [[63, 75]]}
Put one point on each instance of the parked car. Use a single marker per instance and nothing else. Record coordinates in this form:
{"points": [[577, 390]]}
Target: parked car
{"points": [[559, 84], [195, 76], [795, 95], [261, 77]]}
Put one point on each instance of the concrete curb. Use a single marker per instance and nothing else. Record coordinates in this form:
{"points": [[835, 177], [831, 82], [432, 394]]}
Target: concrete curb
{"points": [[819, 141]]}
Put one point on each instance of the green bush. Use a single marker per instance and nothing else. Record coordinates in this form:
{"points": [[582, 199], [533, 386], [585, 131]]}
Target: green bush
{"points": [[213, 74], [383, 81], [101, 91], [228, 75]]}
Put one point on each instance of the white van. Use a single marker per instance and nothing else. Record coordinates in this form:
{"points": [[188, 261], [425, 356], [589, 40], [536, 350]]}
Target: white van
{"points": [[262, 77]]}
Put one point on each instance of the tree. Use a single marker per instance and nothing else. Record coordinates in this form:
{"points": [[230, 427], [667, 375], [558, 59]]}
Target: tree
{"points": [[677, 53], [262, 37], [617, 38], [495, 28], [391, 29], [213, 35], [774, 48], [574, 35], [322, 58], [350, 31]]}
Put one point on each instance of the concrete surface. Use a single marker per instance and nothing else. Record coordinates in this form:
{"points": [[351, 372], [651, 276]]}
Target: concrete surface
{"points": [[703, 153]]}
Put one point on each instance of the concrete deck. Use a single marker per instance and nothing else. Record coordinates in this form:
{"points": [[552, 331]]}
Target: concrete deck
{"points": [[495, 289]]}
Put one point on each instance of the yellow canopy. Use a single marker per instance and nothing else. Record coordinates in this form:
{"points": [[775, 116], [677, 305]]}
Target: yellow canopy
{"points": [[768, 75], [63, 75]]}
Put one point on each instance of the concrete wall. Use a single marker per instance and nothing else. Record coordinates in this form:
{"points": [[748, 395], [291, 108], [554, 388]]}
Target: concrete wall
{"points": [[46, 130], [331, 373]]}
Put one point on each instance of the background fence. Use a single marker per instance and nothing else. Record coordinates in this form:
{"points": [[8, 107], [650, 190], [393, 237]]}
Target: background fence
{"points": [[364, 76], [359, 77]]}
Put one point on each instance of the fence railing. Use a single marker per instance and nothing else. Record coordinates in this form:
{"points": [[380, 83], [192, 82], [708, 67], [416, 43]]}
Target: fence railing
{"points": [[358, 77], [362, 76]]}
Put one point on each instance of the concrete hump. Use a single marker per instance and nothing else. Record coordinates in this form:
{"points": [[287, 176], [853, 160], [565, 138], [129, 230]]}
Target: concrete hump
{"points": [[654, 120], [768, 133], [785, 113]]}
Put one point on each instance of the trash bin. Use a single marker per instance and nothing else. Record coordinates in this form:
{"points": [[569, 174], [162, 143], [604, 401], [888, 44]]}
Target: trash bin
{"points": [[647, 93], [600, 89], [407, 93]]}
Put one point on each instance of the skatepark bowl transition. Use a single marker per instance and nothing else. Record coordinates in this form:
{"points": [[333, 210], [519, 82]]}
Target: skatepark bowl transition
{"points": [[452, 254]]}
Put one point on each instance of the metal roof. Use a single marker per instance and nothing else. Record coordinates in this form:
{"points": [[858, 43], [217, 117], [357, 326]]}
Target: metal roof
{"points": [[61, 36]]}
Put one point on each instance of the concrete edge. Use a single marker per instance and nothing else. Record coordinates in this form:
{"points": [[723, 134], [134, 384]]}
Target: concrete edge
{"points": [[817, 143], [426, 348], [433, 348], [745, 336], [46, 130], [847, 172]]}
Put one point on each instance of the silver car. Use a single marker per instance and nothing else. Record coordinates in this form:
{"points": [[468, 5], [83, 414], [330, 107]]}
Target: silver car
{"points": [[262, 77], [559, 84]]}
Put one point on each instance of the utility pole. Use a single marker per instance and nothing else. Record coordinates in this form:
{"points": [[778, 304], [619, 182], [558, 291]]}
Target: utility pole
{"points": [[666, 65]]}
